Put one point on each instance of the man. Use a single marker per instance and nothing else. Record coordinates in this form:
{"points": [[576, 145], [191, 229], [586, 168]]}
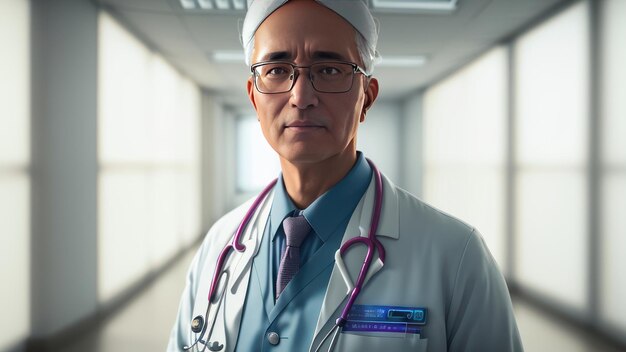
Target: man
{"points": [[436, 288]]}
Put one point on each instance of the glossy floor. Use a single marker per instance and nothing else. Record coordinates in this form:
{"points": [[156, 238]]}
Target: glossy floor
{"points": [[144, 324]]}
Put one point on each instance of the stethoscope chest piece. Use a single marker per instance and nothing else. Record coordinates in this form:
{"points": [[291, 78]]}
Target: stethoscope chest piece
{"points": [[197, 324]]}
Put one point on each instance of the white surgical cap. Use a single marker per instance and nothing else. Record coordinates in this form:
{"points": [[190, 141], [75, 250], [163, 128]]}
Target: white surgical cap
{"points": [[355, 12]]}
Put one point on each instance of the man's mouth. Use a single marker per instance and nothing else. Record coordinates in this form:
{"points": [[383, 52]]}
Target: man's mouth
{"points": [[302, 124]]}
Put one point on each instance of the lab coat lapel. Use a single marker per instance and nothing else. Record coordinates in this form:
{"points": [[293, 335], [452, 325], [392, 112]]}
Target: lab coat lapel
{"points": [[262, 270], [359, 225], [253, 236], [229, 317]]}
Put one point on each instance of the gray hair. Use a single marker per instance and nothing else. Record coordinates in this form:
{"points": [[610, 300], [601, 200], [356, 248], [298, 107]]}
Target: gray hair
{"points": [[368, 54]]}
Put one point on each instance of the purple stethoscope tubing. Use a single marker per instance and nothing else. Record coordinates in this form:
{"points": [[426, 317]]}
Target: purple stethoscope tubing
{"points": [[236, 243], [370, 241]]}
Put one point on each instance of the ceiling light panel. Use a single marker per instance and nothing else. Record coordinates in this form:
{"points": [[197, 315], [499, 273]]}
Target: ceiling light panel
{"points": [[402, 61], [205, 4], [228, 56], [414, 5], [239, 4], [188, 4], [213, 5], [444, 6], [222, 4]]}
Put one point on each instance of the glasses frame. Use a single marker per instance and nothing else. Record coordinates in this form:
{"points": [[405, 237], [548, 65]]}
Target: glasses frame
{"points": [[355, 69]]}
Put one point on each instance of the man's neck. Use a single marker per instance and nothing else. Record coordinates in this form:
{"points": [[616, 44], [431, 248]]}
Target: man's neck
{"points": [[305, 182]]}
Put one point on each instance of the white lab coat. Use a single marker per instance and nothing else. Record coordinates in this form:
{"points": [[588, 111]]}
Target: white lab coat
{"points": [[432, 260]]}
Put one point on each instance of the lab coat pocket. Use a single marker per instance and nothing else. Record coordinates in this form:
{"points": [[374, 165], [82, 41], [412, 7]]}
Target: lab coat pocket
{"points": [[359, 343]]}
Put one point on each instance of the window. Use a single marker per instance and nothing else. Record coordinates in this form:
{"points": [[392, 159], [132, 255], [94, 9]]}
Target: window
{"points": [[551, 114], [149, 178], [465, 126]]}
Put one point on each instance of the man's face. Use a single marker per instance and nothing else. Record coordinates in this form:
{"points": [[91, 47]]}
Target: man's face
{"points": [[304, 125]]}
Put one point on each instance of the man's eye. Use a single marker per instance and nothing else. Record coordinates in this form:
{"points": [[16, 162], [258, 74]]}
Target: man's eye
{"points": [[277, 71], [329, 70]]}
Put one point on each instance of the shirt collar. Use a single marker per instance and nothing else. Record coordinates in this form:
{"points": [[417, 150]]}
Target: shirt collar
{"points": [[331, 208]]}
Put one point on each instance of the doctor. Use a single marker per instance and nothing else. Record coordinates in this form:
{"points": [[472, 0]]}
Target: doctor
{"points": [[430, 284]]}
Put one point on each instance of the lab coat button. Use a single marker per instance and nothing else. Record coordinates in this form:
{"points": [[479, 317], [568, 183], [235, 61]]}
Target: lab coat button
{"points": [[273, 338]]}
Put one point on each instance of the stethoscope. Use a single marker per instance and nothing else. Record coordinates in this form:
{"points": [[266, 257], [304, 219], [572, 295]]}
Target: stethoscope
{"points": [[371, 242]]}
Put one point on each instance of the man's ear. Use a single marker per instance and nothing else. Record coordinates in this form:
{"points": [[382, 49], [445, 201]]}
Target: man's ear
{"points": [[371, 93], [250, 89]]}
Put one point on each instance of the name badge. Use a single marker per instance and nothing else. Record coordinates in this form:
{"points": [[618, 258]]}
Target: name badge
{"points": [[386, 319]]}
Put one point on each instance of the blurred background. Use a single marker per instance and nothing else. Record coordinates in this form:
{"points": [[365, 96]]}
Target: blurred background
{"points": [[125, 132]]}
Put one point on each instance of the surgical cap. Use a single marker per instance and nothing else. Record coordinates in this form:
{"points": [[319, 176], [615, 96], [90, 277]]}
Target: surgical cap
{"points": [[355, 12]]}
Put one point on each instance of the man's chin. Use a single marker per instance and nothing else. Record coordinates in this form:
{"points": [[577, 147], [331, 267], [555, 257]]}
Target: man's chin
{"points": [[311, 155]]}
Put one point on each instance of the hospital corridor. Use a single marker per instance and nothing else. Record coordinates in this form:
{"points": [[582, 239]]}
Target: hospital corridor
{"points": [[127, 132]]}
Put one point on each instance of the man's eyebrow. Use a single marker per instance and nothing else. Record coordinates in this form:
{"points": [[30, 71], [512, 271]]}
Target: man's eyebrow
{"points": [[328, 55], [318, 55], [277, 55]]}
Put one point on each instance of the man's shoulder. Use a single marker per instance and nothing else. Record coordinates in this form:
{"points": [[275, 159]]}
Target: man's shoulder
{"points": [[446, 237], [415, 210], [422, 221]]}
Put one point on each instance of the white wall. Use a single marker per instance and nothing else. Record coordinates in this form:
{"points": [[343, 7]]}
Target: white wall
{"points": [[209, 177], [411, 146], [613, 170], [378, 137], [64, 242]]}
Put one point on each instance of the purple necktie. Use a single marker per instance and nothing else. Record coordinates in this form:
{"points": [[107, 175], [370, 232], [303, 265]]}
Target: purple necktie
{"points": [[296, 229]]}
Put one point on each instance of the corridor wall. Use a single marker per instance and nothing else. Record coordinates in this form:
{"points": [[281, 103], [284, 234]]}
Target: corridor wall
{"points": [[15, 180]]}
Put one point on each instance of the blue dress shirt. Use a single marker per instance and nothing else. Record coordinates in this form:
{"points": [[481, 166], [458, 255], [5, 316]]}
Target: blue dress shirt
{"points": [[328, 216]]}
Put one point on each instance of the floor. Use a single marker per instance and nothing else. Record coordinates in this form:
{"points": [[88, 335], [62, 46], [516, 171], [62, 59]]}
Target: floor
{"points": [[144, 324]]}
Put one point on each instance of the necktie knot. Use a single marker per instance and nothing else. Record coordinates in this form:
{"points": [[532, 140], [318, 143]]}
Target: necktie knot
{"points": [[296, 229]]}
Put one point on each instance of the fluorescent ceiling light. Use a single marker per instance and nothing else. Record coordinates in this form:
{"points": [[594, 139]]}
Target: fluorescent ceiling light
{"points": [[222, 4], [402, 61], [239, 4], [188, 4], [416, 5], [213, 5], [228, 56], [205, 4], [376, 5]]}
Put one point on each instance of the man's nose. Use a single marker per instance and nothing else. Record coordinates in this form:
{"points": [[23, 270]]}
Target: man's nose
{"points": [[303, 95]]}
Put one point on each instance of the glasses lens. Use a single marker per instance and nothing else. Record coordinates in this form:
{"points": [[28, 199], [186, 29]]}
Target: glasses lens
{"points": [[273, 77], [327, 77], [332, 77]]}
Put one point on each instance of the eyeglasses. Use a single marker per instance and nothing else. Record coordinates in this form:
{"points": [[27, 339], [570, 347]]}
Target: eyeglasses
{"points": [[275, 77]]}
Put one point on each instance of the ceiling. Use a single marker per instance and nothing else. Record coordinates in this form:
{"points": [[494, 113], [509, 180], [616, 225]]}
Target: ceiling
{"points": [[188, 39]]}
